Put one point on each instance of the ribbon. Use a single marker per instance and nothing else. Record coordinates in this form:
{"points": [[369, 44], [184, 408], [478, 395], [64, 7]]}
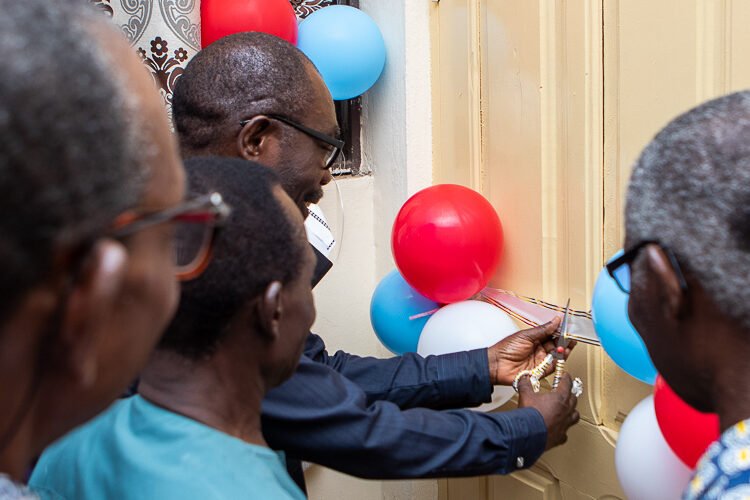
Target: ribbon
{"points": [[534, 312]]}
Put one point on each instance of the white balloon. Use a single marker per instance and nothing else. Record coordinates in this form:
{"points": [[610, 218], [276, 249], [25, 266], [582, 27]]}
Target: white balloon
{"points": [[464, 326], [646, 466]]}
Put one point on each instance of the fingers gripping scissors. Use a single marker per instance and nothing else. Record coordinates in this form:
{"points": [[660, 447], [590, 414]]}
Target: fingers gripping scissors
{"points": [[557, 356], [562, 343]]}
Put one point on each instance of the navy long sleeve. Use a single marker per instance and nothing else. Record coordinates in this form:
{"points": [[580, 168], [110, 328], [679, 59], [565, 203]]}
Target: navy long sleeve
{"points": [[320, 416], [457, 380]]}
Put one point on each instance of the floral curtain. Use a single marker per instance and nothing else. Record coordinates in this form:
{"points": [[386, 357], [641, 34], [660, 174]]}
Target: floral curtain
{"points": [[164, 33], [304, 8]]}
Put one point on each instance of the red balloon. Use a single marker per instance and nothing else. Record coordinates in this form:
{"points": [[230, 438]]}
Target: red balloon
{"points": [[447, 241], [220, 18], [687, 431]]}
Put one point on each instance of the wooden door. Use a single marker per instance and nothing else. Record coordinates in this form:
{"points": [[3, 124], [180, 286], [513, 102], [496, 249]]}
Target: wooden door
{"points": [[543, 106]]}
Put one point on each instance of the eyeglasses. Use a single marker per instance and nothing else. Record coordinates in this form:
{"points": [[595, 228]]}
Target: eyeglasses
{"points": [[619, 269], [337, 145], [197, 224]]}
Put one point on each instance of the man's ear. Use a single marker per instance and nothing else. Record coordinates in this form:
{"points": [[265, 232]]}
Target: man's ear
{"points": [[255, 138], [271, 310], [675, 301], [89, 306]]}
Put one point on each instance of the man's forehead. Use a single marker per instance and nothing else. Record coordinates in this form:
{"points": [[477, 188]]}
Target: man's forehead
{"points": [[328, 124], [321, 108]]}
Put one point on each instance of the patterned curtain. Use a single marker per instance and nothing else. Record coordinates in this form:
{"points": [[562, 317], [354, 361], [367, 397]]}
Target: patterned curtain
{"points": [[304, 8], [165, 34]]}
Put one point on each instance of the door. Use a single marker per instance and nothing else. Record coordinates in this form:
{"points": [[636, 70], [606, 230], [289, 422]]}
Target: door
{"points": [[543, 106]]}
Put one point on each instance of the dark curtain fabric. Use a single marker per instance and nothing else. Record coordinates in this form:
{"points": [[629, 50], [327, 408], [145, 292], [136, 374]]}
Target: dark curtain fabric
{"points": [[304, 8]]}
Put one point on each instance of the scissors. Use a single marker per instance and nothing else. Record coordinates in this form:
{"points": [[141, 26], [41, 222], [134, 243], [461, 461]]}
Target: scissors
{"points": [[557, 356], [562, 343]]}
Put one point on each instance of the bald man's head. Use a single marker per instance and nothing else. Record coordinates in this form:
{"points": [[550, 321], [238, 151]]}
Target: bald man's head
{"points": [[237, 77], [252, 96]]}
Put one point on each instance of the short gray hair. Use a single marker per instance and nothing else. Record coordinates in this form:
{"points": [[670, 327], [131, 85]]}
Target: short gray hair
{"points": [[690, 190], [70, 154]]}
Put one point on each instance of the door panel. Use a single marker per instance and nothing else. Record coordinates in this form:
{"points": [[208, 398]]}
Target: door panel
{"points": [[543, 106]]}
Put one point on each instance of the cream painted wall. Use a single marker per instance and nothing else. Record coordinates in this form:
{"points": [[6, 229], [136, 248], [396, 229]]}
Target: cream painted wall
{"points": [[397, 115], [397, 149], [342, 298]]}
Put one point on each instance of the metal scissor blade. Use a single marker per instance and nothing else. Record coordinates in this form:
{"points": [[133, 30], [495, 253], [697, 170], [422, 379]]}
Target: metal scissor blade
{"points": [[562, 343], [563, 339]]}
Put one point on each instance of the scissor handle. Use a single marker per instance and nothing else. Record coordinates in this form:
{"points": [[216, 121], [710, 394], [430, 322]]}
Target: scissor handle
{"points": [[559, 371]]}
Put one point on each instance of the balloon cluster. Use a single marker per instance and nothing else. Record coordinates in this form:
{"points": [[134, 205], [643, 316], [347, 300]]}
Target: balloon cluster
{"points": [[646, 466], [663, 437], [447, 242], [343, 42], [660, 443]]}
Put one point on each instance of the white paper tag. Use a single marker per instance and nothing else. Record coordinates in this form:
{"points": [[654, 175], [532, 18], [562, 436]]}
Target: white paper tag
{"points": [[319, 233]]}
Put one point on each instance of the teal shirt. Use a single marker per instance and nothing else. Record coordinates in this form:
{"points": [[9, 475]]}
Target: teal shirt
{"points": [[137, 450]]}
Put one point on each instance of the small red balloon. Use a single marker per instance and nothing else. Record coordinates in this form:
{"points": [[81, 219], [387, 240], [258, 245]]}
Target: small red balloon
{"points": [[447, 242], [220, 18], [687, 431]]}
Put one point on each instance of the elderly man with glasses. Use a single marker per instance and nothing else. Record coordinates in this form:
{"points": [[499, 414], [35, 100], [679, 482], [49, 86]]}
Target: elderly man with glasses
{"points": [[93, 191], [686, 267], [254, 96], [194, 429]]}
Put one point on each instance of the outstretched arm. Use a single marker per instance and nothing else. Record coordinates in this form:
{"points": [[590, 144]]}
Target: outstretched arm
{"points": [[441, 382], [320, 416], [458, 380]]}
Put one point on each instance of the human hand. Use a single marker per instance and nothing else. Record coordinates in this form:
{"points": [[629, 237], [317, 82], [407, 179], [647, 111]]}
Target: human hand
{"points": [[523, 351], [558, 408]]}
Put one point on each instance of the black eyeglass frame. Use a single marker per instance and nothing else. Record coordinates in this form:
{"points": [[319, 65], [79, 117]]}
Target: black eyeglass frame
{"points": [[336, 144], [629, 256]]}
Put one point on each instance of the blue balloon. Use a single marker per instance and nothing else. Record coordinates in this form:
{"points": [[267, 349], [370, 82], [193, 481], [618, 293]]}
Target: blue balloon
{"points": [[346, 46], [620, 340], [393, 303]]}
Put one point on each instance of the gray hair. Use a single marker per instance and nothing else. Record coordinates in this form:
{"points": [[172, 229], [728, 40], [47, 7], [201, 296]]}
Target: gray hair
{"points": [[70, 152], [690, 190]]}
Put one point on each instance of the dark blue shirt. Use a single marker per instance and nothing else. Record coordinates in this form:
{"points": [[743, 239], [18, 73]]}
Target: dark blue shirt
{"points": [[379, 419]]}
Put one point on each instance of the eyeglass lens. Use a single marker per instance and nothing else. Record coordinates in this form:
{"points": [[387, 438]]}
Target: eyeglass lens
{"points": [[622, 277], [336, 159], [192, 241]]}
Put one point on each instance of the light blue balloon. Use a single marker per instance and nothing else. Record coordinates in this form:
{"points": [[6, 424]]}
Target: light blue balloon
{"points": [[620, 340], [393, 303], [346, 46]]}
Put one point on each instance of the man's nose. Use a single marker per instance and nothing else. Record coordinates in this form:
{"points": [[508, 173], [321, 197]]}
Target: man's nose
{"points": [[327, 177]]}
